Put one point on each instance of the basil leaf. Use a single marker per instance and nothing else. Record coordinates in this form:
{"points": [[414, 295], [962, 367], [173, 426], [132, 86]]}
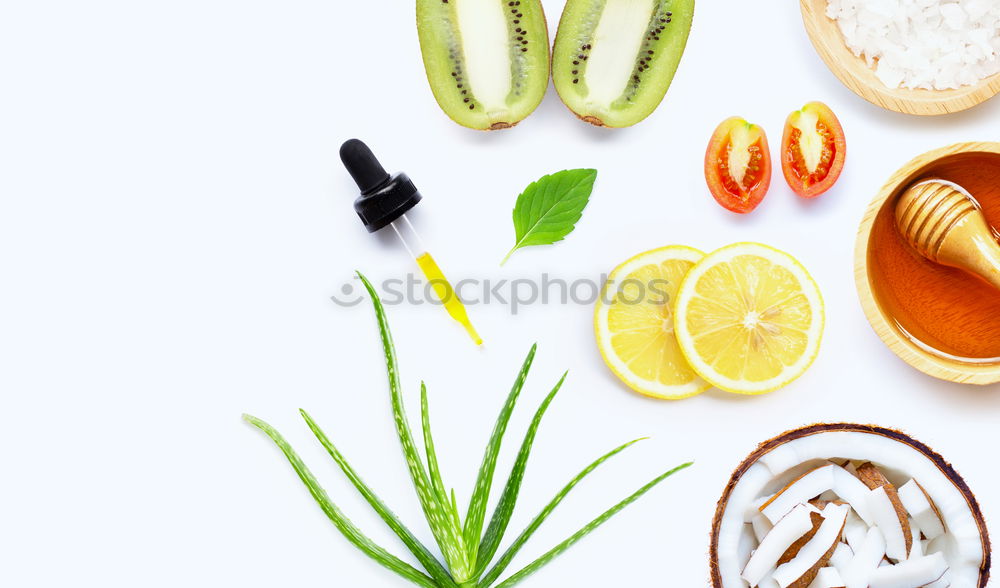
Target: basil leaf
{"points": [[550, 207]]}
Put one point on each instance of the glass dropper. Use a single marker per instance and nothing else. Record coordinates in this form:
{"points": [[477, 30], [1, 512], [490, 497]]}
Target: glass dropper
{"points": [[384, 202]]}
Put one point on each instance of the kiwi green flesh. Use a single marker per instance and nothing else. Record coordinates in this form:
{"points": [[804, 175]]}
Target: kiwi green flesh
{"points": [[614, 59], [487, 61]]}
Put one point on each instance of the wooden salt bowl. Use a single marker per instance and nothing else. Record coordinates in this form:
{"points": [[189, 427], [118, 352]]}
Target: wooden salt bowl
{"points": [[854, 72], [978, 160]]}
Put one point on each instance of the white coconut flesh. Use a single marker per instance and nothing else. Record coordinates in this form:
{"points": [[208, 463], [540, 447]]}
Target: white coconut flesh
{"points": [[841, 558], [887, 521], [486, 49], [916, 503], [616, 42], [793, 525], [917, 571], [867, 558], [870, 547], [828, 578]]}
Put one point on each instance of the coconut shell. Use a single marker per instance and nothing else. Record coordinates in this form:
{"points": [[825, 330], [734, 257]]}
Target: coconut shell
{"points": [[943, 466]]}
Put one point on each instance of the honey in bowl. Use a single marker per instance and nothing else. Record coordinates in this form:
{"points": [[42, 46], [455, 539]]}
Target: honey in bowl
{"points": [[944, 310]]}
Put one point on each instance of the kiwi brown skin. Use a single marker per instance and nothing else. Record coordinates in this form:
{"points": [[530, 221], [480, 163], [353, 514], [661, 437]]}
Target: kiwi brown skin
{"points": [[943, 466]]}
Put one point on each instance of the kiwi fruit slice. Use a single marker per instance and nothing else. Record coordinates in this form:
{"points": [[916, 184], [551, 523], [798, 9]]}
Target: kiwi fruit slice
{"points": [[487, 61], [614, 59]]}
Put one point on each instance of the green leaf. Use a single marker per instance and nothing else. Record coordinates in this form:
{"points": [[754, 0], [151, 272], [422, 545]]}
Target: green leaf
{"points": [[343, 524], [518, 543], [558, 549], [438, 519], [423, 555], [484, 481], [432, 462], [550, 207], [505, 507]]}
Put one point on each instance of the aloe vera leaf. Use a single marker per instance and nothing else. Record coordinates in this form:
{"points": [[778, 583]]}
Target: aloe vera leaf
{"points": [[432, 461], [448, 539], [518, 543], [505, 507], [454, 509], [343, 524], [481, 494], [433, 468], [423, 555], [559, 549]]}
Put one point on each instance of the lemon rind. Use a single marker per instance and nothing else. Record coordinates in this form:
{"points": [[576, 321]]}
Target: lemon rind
{"points": [[809, 288], [643, 386]]}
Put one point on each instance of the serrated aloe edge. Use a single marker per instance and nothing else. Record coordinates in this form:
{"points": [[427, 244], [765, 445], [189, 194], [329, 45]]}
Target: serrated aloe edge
{"points": [[467, 549]]}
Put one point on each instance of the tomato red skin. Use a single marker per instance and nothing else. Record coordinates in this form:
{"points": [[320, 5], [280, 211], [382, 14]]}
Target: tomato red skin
{"points": [[729, 201], [827, 117]]}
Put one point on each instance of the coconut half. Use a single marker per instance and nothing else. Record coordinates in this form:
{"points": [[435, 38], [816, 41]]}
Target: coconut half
{"points": [[929, 532]]}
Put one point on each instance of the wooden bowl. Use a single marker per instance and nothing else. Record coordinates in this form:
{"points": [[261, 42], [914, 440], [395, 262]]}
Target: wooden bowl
{"points": [[977, 167], [854, 72]]}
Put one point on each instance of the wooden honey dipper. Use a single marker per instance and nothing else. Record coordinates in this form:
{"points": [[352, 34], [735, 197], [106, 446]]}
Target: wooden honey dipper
{"points": [[944, 223]]}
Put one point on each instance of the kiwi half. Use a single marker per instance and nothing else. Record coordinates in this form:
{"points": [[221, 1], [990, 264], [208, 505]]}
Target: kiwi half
{"points": [[614, 59], [487, 60]]}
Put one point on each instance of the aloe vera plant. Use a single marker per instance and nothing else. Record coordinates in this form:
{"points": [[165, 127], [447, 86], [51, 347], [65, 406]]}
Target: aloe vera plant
{"points": [[468, 551]]}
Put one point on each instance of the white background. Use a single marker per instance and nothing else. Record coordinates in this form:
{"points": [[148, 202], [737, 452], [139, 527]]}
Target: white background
{"points": [[175, 219]]}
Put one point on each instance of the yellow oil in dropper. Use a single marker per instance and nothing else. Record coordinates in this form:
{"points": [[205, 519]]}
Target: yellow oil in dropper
{"points": [[435, 277], [445, 293], [384, 202]]}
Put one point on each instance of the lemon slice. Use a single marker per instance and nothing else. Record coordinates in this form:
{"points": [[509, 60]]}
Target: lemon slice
{"points": [[635, 327], [749, 318]]}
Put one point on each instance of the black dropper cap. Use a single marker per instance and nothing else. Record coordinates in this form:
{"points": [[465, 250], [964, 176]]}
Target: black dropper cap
{"points": [[384, 198]]}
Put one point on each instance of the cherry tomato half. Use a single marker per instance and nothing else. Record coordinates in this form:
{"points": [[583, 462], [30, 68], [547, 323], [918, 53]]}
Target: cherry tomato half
{"points": [[738, 165], [813, 150]]}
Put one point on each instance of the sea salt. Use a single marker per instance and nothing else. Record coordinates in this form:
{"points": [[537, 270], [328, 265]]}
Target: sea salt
{"points": [[929, 44]]}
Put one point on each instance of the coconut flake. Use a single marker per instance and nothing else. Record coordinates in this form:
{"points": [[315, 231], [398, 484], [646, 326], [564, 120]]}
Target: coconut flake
{"points": [[802, 489], [854, 531], [918, 504], [761, 526], [853, 491], [887, 520], [827, 578], [841, 557], [866, 560], [931, 44], [914, 572], [785, 532], [813, 553], [942, 582]]}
